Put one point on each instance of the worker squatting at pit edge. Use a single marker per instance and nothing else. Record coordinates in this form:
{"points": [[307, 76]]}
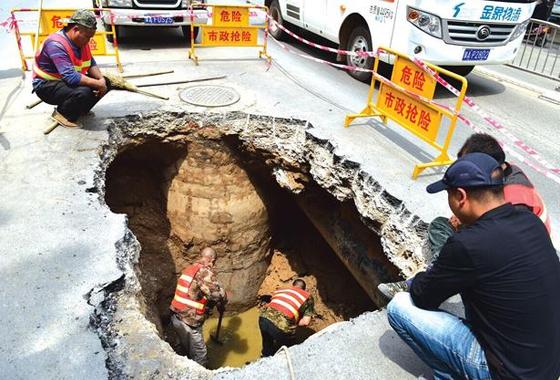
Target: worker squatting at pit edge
{"points": [[65, 73], [197, 290], [504, 266], [288, 308]]}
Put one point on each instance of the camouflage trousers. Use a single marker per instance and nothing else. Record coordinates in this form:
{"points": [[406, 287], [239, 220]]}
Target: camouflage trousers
{"points": [[438, 232], [192, 340]]}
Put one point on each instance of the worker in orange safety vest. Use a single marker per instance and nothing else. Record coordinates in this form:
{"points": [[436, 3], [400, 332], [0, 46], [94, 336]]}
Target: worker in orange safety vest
{"points": [[288, 308], [197, 288], [64, 72]]}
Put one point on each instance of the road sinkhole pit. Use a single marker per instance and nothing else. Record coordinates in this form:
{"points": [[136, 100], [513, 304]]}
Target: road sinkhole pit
{"points": [[183, 188]]}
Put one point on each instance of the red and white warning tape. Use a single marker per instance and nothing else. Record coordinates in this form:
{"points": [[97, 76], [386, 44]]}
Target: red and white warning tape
{"points": [[9, 24], [321, 47], [547, 169], [492, 122]]}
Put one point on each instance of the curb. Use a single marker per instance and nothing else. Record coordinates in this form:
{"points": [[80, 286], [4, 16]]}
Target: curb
{"points": [[548, 95]]}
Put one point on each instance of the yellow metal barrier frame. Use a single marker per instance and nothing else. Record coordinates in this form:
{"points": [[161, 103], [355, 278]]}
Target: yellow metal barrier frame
{"points": [[262, 53], [24, 57], [371, 110]]}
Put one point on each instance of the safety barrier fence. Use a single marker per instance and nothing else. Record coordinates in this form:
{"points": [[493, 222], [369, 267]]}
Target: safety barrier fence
{"points": [[407, 99], [229, 26], [539, 164], [52, 20], [540, 51]]}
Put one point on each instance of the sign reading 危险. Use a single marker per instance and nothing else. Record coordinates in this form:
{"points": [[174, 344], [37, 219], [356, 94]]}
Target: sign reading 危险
{"points": [[409, 76], [52, 20], [227, 16]]}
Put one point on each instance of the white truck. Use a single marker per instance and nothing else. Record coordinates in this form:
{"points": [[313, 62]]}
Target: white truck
{"points": [[457, 34], [170, 13]]}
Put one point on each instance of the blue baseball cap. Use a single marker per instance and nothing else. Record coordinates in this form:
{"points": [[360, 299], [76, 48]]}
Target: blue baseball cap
{"points": [[471, 170]]}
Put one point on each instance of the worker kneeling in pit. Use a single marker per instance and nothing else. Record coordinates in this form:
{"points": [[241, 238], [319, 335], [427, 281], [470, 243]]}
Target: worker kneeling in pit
{"points": [[197, 288], [288, 308], [65, 74]]}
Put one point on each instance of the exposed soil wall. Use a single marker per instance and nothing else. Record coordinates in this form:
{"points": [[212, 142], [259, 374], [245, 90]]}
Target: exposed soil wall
{"points": [[212, 202]]}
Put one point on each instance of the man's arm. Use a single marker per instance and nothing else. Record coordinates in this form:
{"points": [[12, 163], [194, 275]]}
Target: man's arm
{"points": [[451, 273], [308, 312], [210, 286], [96, 74], [58, 55]]}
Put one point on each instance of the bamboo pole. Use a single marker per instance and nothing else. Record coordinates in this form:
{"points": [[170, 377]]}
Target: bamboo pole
{"points": [[148, 74], [181, 81], [51, 127], [35, 103]]}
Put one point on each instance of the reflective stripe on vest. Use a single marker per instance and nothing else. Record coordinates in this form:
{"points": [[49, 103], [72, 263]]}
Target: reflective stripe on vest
{"points": [[289, 301], [182, 300], [81, 65]]}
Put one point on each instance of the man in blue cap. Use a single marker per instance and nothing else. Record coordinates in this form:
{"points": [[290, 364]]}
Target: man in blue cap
{"points": [[506, 270]]}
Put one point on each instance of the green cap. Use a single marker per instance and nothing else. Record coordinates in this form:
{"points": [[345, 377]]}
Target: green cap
{"points": [[85, 18]]}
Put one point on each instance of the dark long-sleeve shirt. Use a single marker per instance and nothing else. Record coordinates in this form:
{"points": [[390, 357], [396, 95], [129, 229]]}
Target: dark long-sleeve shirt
{"points": [[55, 59], [507, 272]]}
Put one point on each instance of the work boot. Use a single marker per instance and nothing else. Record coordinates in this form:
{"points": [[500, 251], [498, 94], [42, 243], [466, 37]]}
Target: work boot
{"points": [[57, 116], [389, 289]]}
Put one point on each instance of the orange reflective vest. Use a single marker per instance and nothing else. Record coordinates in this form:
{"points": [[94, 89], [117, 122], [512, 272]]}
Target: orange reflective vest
{"points": [[521, 194], [81, 65], [518, 190], [182, 301], [289, 301]]}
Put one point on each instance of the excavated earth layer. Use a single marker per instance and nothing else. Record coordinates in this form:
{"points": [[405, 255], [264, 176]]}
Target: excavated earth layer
{"points": [[367, 228]]}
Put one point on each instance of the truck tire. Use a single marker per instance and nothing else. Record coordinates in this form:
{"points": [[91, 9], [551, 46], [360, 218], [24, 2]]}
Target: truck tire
{"points": [[359, 40], [187, 32], [276, 14], [460, 70]]}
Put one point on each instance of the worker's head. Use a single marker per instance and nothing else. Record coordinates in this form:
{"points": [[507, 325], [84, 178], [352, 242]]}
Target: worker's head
{"points": [[474, 184], [208, 256], [299, 283], [483, 143], [81, 27]]}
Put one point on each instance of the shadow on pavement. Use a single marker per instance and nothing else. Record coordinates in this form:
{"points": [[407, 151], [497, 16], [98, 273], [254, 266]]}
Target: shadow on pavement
{"points": [[10, 73], [398, 352]]}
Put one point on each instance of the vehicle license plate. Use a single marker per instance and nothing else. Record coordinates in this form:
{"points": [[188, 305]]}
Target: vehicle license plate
{"points": [[158, 20], [476, 54]]}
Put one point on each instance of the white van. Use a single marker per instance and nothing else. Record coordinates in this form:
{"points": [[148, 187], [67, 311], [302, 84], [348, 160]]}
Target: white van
{"points": [[457, 34]]}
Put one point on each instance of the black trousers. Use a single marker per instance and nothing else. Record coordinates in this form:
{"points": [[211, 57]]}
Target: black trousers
{"points": [[71, 102], [272, 337]]}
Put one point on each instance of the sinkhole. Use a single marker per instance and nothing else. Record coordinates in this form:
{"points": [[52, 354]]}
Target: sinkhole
{"points": [[183, 194]]}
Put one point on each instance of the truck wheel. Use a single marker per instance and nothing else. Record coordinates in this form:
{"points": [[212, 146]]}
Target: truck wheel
{"points": [[359, 40], [275, 13], [118, 32], [460, 70], [187, 32]]}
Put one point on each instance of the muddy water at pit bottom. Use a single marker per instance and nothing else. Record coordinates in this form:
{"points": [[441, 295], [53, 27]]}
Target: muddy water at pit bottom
{"points": [[240, 337]]}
